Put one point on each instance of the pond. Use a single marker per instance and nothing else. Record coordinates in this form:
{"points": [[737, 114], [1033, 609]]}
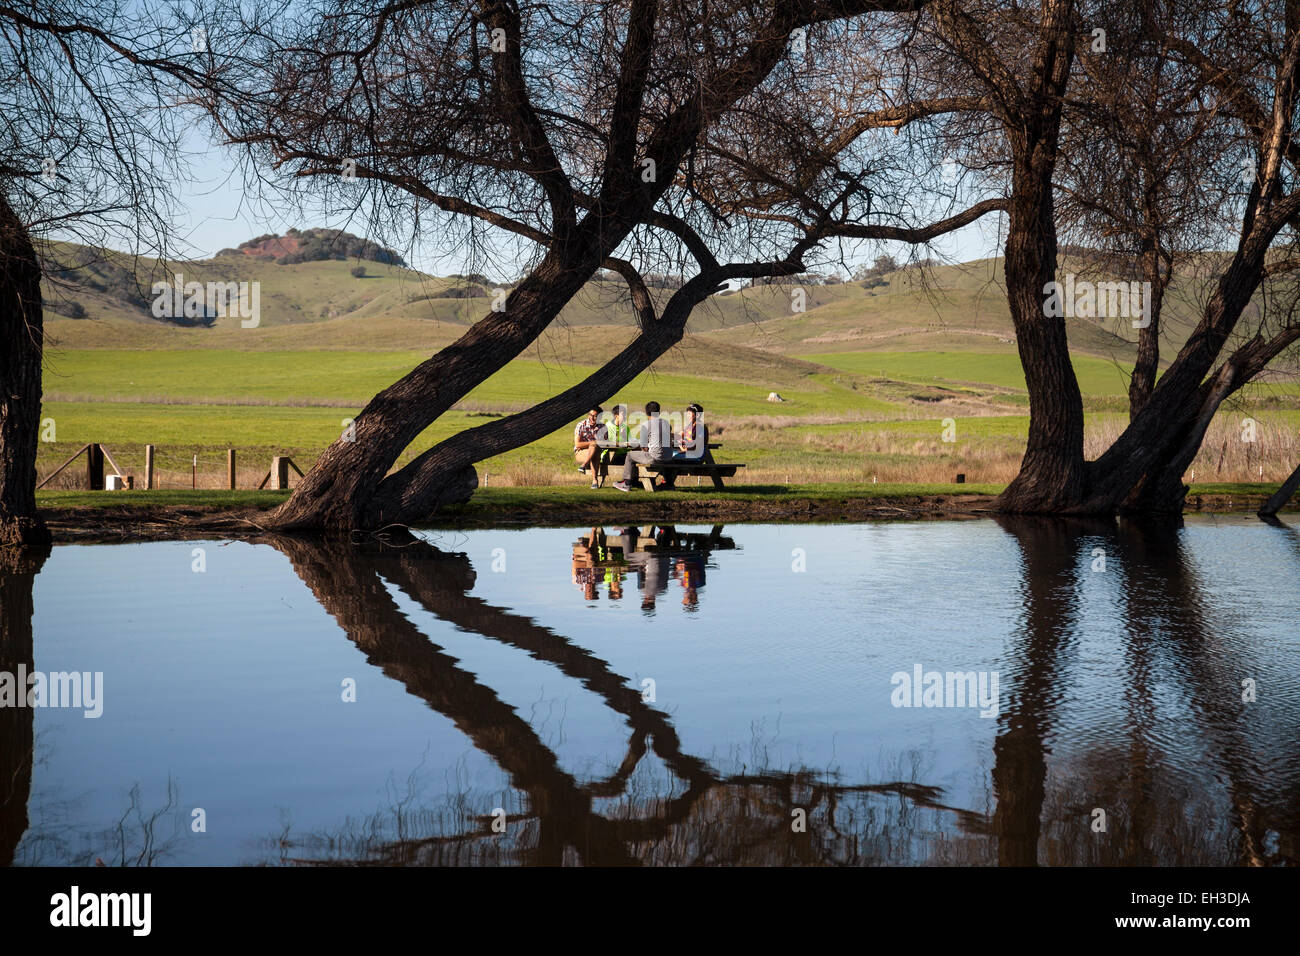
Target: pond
{"points": [[977, 692]]}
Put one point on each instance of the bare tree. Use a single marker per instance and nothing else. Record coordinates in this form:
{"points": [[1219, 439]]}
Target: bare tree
{"points": [[1021, 67], [717, 141], [86, 152], [1141, 130]]}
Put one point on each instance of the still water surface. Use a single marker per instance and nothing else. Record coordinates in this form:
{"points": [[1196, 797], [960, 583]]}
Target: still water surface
{"points": [[654, 695]]}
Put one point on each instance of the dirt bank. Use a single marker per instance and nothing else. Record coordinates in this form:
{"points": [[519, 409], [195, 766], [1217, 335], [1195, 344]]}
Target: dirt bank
{"points": [[158, 522]]}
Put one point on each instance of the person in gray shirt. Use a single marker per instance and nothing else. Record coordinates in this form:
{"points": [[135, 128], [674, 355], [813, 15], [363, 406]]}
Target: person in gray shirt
{"points": [[656, 441]]}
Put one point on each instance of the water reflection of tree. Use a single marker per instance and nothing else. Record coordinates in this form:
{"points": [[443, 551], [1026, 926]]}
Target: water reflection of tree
{"points": [[18, 570], [136, 839], [1149, 821], [706, 816], [1166, 609], [678, 808]]}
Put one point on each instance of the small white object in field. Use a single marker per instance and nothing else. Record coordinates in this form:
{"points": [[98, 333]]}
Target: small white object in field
{"points": [[114, 483], [774, 397]]}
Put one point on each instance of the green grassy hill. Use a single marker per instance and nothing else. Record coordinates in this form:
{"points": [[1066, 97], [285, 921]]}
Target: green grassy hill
{"points": [[317, 305], [868, 374]]}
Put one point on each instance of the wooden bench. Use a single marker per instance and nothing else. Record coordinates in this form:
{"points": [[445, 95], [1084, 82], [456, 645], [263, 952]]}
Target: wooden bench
{"points": [[704, 466]]}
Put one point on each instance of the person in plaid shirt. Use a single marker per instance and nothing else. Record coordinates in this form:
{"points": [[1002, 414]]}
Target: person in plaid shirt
{"points": [[585, 435]]}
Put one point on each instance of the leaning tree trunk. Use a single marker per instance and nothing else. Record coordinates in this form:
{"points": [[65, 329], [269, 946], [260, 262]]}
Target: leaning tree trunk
{"points": [[1281, 496], [21, 341], [417, 490], [1143, 469], [1052, 472], [1162, 490], [336, 493]]}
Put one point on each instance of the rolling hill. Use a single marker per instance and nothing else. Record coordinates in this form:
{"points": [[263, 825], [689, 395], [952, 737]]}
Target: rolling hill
{"points": [[322, 305]]}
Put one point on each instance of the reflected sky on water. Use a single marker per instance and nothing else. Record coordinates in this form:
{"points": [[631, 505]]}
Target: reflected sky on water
{"points": [[665, 695]]}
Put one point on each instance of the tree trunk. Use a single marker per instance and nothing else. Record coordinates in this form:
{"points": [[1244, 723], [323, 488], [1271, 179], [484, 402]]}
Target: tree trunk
{"points": [[1281, 496], [22, 335], [417, 490], [1143, 380], [1162, 490], [1052, 473], [1163, 438]]}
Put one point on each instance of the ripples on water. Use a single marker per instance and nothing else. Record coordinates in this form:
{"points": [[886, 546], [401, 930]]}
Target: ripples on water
{"points": [[664, 696]]}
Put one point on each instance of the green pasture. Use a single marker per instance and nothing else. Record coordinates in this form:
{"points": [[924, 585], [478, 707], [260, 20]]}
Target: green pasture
{"points": [[351, 378], [954, 369]]}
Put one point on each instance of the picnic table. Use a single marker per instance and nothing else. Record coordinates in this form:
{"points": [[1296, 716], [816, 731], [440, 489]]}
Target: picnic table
{"points": [[703, 466]]}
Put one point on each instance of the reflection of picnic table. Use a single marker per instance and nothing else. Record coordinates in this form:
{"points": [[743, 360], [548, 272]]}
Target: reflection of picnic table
{"points": [[612, 549], [655, 555], [669, 470]]}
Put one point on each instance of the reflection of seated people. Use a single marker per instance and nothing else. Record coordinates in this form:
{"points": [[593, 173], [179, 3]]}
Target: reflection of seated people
{"points": [[653, 579], [614, 583], [585, 573], [654, 552], [651, 567], [690, 572]]}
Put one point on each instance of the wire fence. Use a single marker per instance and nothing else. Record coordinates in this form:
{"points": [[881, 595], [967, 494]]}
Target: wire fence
{"points": [[174, 467]]}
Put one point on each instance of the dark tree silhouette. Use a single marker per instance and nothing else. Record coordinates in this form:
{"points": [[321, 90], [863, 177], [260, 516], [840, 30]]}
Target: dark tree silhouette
{"points": [[18, 570], [87, 151], [600, 136], [1237, 67]]}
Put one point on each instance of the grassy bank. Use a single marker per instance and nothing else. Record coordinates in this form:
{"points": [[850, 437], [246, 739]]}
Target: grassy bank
{"points": [[74, 511]]}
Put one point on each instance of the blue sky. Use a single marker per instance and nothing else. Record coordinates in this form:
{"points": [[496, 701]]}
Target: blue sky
{"points": [[215, 213]]}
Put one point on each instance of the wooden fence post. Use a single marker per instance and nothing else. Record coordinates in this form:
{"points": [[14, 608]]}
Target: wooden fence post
{"points": [[230, 468], [95, 467], [148, 467], [279, 472]]}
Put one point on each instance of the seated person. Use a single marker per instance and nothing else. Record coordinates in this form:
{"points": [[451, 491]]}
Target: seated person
{"points": [[694, 438], [656, 441], [585, 435], [617, 431]]}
